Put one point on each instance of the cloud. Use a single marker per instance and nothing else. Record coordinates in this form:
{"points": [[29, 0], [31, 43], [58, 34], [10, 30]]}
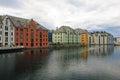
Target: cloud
{"points": [[86, 14], [10, 3]]}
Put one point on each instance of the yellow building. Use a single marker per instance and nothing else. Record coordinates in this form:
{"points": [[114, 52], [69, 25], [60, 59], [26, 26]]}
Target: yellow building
{"points": [[84, 38]]}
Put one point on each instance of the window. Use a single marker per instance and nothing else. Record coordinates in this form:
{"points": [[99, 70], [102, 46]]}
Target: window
{"points": [[6, 39], [0, 26], [6, 33], [26, 44], [21, 40], [6, 27], [0, 44], [11, 33], [16, 43], [6, 44], [21, 44], [6, 21], [19, 23], [21, 30], [11, 28], [11, 39], [0, 32]]}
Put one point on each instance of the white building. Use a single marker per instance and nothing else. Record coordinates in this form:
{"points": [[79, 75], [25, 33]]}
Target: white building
{"points": [[100, 38], [117, 41], [6, 31]]}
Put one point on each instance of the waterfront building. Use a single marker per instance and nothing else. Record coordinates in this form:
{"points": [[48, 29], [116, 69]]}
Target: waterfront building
{"points": [[50, 37], [67, 35], [100, 38], [79, 32], [6, 32], [63, 35], [117, 41], [23, 32], [30, 34], [84, 38]]}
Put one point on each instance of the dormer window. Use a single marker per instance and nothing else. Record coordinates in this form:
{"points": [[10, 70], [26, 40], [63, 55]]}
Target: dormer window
{"points": [[19, 23], [6, 21]]}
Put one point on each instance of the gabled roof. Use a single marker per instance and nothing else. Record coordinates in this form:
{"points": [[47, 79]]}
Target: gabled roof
{"points": [[80, 31], [17, 21], [40, 26], [65, 29]]}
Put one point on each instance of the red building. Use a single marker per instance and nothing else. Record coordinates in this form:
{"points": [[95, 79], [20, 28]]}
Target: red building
{"points": [[29, 34]]}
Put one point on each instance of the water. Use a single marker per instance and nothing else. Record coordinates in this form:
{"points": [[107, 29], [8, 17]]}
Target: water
{"points": [[93, 63]]}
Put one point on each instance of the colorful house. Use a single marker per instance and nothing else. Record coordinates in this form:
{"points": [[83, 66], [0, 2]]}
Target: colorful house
{"points": [[67, 35], [84, 38], [24, 32]]}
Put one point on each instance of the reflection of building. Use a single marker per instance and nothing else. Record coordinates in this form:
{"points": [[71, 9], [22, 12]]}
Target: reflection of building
{"points": [[84, 53], [36, 51], [102, 50], [96, 38], [117, 41], [72, 54]]}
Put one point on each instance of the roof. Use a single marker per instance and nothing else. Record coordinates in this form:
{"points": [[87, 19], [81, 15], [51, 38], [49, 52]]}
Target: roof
{"points": [[65, 29], [17, 21], [68, 29], [80, 31]]}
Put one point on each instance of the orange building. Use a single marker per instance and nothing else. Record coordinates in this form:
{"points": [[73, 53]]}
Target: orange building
{"points": [[84, 38], [31, 35]]}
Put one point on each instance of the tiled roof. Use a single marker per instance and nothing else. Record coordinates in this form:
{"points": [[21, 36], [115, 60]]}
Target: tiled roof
{"points": [[17, 21], [67, 29], [80, 31], [40, 26]]}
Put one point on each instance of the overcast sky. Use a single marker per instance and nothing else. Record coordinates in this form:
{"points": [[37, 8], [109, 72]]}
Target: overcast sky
{"points": [[102, 15]]}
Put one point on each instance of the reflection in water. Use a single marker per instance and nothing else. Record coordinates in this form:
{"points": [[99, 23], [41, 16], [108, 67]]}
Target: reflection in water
{"points": [[63, 64], [15, 66], [101, 50]]}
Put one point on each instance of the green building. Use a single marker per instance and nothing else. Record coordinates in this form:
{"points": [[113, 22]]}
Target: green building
{"points": [[66, 35]]}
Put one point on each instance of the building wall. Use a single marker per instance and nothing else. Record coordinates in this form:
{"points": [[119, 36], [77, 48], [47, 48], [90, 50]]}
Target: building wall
{"points": [[84, 38], [117, 40], [49, 37], [44, 38], [7, 32], [31, 36], [101, 38], [65, 38], [1, 35]]}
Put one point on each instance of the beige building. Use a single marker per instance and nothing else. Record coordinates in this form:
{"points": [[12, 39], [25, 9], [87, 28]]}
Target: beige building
{"points": [[117, 41], [102, 38]]}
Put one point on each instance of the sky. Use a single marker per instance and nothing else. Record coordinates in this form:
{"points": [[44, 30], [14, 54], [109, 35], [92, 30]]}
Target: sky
{"points": [[93, 15]]}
